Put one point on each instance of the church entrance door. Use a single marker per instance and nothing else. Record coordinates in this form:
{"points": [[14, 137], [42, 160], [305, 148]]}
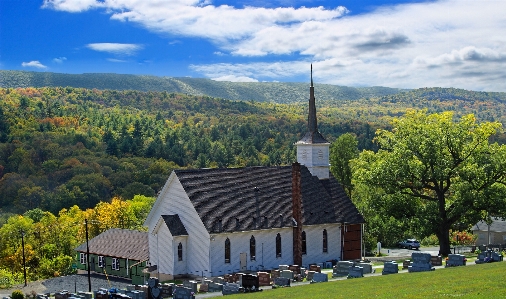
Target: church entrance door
{"points": [[244, 261]]}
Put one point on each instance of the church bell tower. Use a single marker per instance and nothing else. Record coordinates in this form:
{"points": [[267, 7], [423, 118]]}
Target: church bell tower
{"points": [[313, 148]]}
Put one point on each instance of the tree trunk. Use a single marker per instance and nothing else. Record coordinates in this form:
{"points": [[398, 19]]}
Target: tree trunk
{"points": [[443, 236]]}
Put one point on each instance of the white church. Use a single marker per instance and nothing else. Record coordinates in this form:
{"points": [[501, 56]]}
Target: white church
{"points": [[210, 222]]}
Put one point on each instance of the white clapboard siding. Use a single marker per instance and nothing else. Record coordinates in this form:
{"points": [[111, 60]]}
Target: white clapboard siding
{"points": [[165, 250], [314, 243], [240, 243], [180, 267], [173, 200]]}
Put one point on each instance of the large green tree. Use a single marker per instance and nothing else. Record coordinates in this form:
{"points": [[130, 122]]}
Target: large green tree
{"points": [[436, 172], [342, 151]]}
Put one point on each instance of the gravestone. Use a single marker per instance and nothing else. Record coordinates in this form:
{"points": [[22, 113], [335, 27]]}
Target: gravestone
{"points": [[287, 274], [355, 272], [295, 269], [183, 293], [320, 277], [390, 267], [310, 275], [275, 274], [436, 261], [315, 268], [283, 267], [405, 264], [166, 289], [282, 281], [488, 256], [190, 284], [264, 279], [327, 265], [420, 263], [367, 267], [455, 260], [303, 272], [215, 287], [130, 287], [218, 279], [341, 268], [230, 288], [249, 281], [204, 288]]}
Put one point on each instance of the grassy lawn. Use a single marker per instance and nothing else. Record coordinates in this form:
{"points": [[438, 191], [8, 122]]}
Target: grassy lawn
{"points": [[475, 281]]}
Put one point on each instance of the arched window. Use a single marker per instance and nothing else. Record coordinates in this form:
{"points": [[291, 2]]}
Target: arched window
{"points": [[252, 249], [325, 242], [180, 252], [278, 245], [304, 248], [227, 251]]}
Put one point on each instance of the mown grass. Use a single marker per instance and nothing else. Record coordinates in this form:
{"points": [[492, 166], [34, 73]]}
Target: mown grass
{"points": [[474, 281]]}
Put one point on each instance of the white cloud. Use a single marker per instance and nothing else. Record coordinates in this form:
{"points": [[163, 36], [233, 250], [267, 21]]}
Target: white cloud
{"points": [[115, 60], [233, 78], [33, 63], [59, 59], [457, 43], [115, 48], [70, 6]]}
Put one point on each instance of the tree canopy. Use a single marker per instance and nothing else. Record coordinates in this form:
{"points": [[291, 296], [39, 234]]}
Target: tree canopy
{"points": [[434, 173]]}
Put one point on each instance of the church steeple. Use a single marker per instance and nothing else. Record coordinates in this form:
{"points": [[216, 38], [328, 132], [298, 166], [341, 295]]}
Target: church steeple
{"points": [[312, 135], [313, 148]]}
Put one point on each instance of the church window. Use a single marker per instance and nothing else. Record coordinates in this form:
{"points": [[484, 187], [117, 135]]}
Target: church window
{"points": [[82, 258], [304, 154], [115, 263], [278, 245], [252, 248], [325, 241], [227, 251], [304, 248], [180, 252], [320, 154], [101, 261]]}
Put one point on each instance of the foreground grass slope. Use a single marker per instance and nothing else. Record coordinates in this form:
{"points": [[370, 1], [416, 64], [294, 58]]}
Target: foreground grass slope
{"points": [[474, 281]]}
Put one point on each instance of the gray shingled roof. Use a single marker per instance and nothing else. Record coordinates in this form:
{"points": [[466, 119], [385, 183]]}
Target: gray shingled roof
{"points": [[498, 225], [176, 227], [120, 243], [226, 198]]}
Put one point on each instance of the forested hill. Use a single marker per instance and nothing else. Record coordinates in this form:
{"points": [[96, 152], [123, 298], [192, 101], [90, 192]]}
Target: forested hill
{"points": [[275, 92]]}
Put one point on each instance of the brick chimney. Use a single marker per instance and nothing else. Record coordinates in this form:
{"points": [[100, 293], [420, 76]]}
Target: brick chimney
{"points": [[297, 214]]}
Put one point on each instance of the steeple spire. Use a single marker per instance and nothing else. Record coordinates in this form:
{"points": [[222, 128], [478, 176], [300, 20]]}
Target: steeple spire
{"points": [[312, 135], [312, 122]]}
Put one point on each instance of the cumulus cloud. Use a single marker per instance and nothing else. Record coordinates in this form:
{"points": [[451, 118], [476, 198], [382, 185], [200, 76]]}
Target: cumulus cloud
{"points": [[115, 48], [233, 78], [456, 43], [59, 59], [33, 63]]}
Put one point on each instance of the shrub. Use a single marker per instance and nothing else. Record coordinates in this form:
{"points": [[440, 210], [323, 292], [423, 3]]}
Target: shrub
{"points": [[17, 294]]}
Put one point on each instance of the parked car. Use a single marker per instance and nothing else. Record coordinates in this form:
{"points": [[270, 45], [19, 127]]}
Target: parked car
{"points": [[409, 244]]}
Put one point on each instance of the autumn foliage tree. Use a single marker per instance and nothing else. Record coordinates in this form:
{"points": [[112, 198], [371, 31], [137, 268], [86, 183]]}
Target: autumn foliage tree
{"points": [[434, 172]]}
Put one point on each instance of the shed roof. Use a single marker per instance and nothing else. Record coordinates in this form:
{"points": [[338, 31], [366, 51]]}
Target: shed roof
{"points": [[120, 243]]}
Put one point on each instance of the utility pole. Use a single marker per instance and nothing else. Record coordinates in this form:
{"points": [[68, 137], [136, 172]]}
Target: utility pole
{"points": [[24, 261], [88, 256]]}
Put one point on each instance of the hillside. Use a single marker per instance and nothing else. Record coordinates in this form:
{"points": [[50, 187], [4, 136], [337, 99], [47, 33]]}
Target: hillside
{"points": [[275, 92]]}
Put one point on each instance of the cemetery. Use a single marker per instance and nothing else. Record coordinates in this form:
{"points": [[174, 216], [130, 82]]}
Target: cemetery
{"points": [[284, 276]]}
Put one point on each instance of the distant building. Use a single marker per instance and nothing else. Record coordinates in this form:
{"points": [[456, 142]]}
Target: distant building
{"points": [[495, 233], [117, 252], [215, 221]]}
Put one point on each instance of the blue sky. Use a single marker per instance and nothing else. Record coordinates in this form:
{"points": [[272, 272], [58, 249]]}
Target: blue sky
{"points": [[405, 44]]}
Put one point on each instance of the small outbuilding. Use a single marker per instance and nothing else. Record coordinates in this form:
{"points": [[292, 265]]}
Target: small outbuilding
{"points": [[117, 252], [495, 233]]}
